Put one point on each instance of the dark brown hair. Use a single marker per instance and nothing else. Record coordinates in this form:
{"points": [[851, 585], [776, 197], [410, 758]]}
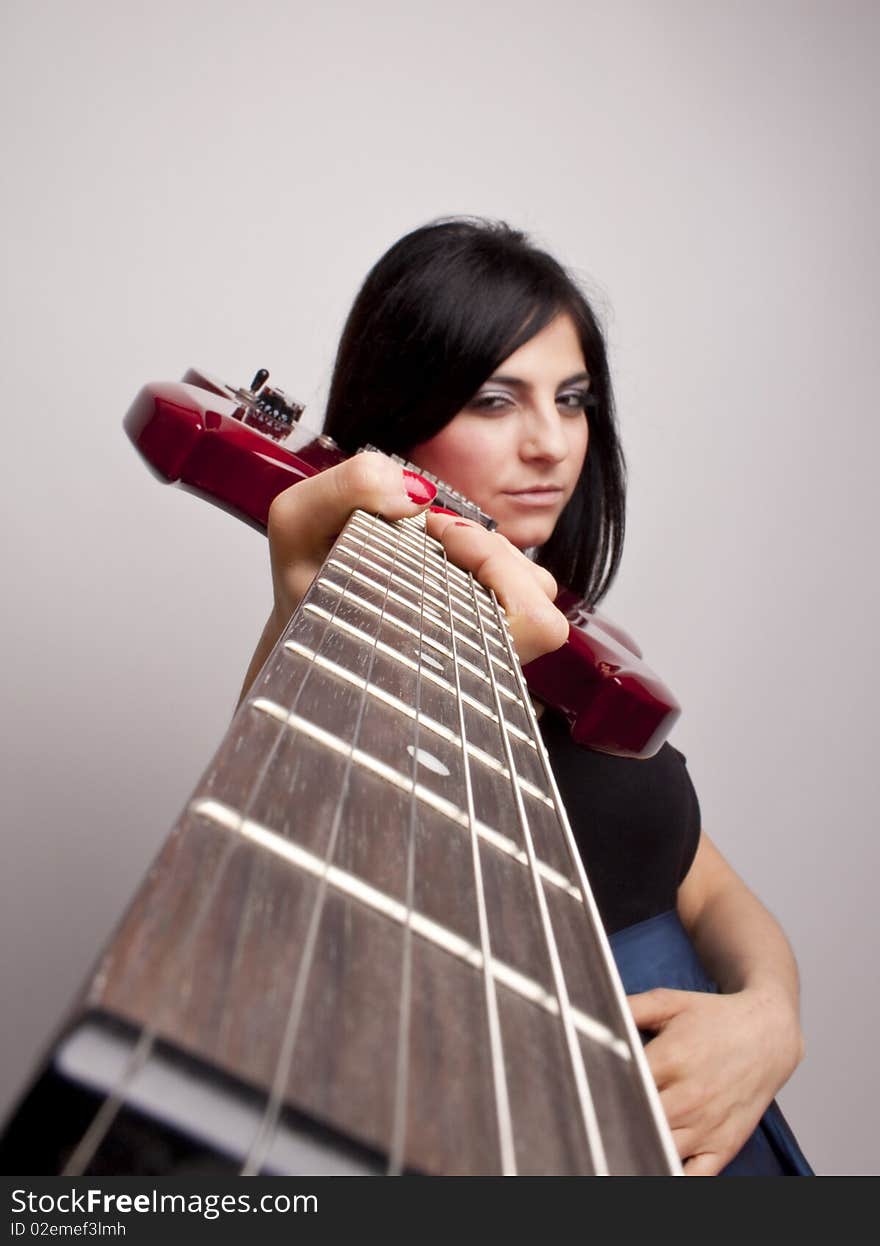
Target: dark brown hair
{"points": [[434, 318]]}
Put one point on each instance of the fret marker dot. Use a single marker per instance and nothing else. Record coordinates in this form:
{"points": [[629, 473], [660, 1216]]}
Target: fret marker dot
{"points": [[431, 661], [428, 760]]}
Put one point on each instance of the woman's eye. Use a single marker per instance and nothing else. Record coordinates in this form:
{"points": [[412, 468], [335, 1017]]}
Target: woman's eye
{"points": [[490, 402], [575, 400]]}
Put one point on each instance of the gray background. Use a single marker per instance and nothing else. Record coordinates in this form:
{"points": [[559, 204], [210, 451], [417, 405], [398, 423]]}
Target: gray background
{"points": [[208, 184]]}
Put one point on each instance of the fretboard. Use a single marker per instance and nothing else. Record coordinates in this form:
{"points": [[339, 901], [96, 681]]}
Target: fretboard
{"points": [[372, 912]]}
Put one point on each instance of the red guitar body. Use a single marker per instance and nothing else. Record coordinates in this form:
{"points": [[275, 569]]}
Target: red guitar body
{"points": [[240, 448]]}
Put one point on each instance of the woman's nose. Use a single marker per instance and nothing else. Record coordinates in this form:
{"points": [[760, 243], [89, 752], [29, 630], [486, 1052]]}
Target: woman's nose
{"points": [[544, 437]]}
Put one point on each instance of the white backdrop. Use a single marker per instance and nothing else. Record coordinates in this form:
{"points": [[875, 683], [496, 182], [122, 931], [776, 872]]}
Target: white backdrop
{"points": [[208, 183]]}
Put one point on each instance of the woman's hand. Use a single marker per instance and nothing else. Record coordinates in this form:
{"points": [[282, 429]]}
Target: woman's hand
{"points": [[718, 1060], [525, 590], [305, 520]]}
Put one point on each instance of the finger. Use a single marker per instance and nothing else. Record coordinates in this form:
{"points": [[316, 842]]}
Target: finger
{"points": [[546, 580], [536, 626], [668, 1069], [652, 1009], [305, 519], [686, 1105], [438, 522], [687, 1143], [471, 546], [707, 1164]]}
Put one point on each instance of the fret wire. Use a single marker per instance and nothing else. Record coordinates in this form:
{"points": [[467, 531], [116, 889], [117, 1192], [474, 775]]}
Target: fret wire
{"points": [[396, 1150], [496, 1046], [382, 545], [351, 630], [420, 592], [433, 932], [461, 580], [416, 576], [460, 585], [585, 1099], [421, 576], [433, 554], [96, 1132], [417, 607], [444, 568], [399, 600], [273, 1106], [448, 573], [649, 1086], [262, 1142], [401, 625], [431, 724], [422, 793], [395, 620]]}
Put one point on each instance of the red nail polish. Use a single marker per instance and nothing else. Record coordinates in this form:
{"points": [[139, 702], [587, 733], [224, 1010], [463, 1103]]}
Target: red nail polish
{"points": [[442, 510], [419, 489]]}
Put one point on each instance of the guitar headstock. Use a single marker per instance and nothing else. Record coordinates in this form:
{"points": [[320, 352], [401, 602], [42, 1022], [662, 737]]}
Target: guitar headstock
{"points": [[239, 448], [261, 406], [275, 413]]}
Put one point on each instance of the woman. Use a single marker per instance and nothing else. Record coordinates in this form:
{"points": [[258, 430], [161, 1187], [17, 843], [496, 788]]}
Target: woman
{"points": [[476, 356]]}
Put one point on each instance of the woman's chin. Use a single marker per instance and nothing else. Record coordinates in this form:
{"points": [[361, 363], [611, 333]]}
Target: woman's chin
{"points": [[525, 533]]}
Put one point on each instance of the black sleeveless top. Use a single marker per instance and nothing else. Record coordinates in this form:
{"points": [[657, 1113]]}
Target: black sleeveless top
{"points": [[637, 823]]}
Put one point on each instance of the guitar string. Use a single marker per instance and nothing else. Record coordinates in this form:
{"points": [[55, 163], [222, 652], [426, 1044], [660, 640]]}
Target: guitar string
{"points": [[262, 1142], [396, 1151], [223, 862], [98, 1128], [600, 938], [424, 545], [496, 1047], [82, 1154], [405, 587], [584, 1097]]}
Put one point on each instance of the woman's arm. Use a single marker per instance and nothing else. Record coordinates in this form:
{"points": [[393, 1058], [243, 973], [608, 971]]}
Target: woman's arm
{"points": [[740, 943], [718, 1060]]}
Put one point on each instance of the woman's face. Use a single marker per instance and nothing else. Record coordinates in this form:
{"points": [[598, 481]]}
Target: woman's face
{"points": [[518, 447]]}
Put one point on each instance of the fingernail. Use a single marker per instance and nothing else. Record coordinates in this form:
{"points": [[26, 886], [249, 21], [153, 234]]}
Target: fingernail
{"points": [[462, 523], [443, 510], [419, 490]]}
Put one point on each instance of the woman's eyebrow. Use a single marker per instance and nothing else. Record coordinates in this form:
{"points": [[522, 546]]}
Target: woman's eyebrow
{"points": [[518, 383]]}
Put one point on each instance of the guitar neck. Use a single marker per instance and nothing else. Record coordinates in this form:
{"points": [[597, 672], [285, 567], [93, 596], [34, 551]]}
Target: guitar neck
{"points": [[372, 914]]}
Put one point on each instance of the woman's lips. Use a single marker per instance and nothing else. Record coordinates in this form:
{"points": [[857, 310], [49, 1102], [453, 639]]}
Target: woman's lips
{"points": [[535, 497]]}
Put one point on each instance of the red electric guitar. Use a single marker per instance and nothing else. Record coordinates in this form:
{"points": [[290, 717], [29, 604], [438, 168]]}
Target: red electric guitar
{"points": [[369, 944], [239, 448]]}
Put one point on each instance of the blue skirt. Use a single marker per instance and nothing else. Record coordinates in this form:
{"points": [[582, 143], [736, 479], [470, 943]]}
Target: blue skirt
{"points": [[658, 952]]}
